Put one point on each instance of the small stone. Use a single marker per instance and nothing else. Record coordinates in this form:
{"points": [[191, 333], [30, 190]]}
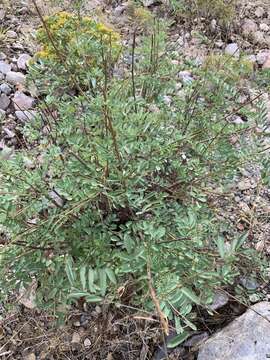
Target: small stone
{"points": [[2, 14], [262, 56], [25, 116], [11, 34], [31, 356], [167, 100], [22, 101], [4, 67], [249, 26], [248, 283], [220, 300], [15, 78], [186, 77], [4, 101], [236, 119], [5, 88], [258, 37], [266, 64], [147, 3], [259, 12], [23, 61], [264, 27], [87, 343], [232, 50], [119, 10], [76, 339], [244, 185], [3, 56]]}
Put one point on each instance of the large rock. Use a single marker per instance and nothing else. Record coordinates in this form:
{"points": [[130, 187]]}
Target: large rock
{"points": [[15, 78], [246, 338], [22, 101]]}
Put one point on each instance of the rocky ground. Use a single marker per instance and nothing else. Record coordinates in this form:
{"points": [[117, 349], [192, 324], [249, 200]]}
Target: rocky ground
{"points": [[95, 333]]}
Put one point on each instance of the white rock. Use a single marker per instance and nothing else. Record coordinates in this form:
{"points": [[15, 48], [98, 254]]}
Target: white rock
{"points": [[232, 50], [246, 338], [4, 67], [11, 34], [259, 12], [87, 343], [23, 60], [22, 101], [264, 27], [186, 77], [15, 78], [262, 56]]}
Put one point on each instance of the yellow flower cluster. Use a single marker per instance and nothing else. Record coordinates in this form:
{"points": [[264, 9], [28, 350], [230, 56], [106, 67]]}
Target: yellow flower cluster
{"points": [[66, 29]]}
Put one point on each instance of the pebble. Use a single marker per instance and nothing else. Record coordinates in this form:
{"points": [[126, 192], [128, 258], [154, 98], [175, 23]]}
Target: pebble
{"points": [[4, 67], [259, 12], [24, 116], [23, 61], [262, 56], [4, 101], [249, 26], [87, 343], [258, 37], [5, 88], [3, 56], [11, 34], [220, 299], [264, 27], [76, 338], [15, 78], [249, 283], [232, 50], [22, 101]]}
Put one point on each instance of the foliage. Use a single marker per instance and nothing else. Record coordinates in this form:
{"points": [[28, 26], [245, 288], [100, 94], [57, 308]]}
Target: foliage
{"points": [[116, 179], [221, 10]]}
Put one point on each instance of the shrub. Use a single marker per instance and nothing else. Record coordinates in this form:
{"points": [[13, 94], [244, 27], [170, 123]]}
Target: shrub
{"points": [[111, 195]]}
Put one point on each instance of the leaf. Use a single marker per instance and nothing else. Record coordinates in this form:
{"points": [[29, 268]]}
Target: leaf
{"points": [[83, 276], [91, 278], [102, 281], [191, 295], [178, 339], [69, 271], [221, 246], [77, 294], [93, 298], [238, 242], [111, 275]]}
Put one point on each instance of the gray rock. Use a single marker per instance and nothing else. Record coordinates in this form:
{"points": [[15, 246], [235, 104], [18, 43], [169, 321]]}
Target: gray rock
{"points": [[249, 26], [258, 37], [4, 67], [23, 61], [259, 12], [3, 56], [11, 34], [246, 338], [249, 283], [232, 50], [2, 114], [22, 101], [2, 76], [220, 300], [5, 88], [15, 78], [25, 116], [4, 101], [147, 3]]}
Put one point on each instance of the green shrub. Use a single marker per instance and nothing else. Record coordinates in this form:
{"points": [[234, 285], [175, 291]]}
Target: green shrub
{"points": [[115, 180]]}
